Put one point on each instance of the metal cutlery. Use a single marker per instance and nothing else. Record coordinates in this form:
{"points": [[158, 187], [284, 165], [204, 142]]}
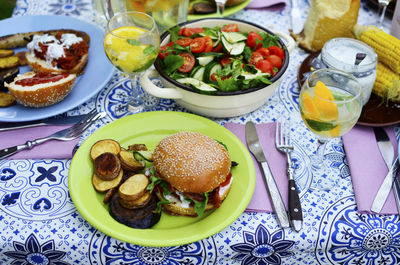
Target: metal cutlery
{"points": [[297, 23], [255, 148], [58, 120], [387, 152], [283, 144], [63, 135]]}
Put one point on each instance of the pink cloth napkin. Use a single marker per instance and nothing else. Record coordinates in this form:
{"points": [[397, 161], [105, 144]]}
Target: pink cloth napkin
{"points": [[367, 167], [264, 3], [260, 201], [50, 149]]}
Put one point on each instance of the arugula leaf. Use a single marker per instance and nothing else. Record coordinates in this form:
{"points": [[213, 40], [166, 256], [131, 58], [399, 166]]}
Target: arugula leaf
{"points": [[229, 84], [160, 204], [173, 32], [269, 40], [179, 49], [154, 181], [247, 53], [172, 62], [134, 42], [199, 207], [150, 50], [221, 143]]}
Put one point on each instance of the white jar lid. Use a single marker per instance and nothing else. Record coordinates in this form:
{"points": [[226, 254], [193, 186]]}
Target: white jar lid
{"points": [[341, 53]]}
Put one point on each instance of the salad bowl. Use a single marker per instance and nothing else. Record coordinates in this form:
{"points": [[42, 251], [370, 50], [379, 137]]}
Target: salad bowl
{"points": [[219, 104]]}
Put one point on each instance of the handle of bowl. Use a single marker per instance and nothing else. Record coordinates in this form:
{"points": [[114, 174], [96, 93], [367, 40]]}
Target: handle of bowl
{"points": [[151, 88], [289, 41]]}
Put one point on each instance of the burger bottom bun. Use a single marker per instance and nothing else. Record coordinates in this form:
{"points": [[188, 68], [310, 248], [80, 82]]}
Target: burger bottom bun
{"points": [[41, 95]]}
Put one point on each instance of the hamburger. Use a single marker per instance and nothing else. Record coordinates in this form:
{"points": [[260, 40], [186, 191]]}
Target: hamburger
{"points": [[191, 173]]}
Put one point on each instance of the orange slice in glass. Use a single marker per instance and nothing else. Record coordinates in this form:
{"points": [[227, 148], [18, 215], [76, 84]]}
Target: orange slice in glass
{"points": [[323, 102]]}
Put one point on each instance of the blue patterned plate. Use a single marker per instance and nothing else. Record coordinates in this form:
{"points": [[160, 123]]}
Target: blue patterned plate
{"points": [[149, 128], [97, 72]]}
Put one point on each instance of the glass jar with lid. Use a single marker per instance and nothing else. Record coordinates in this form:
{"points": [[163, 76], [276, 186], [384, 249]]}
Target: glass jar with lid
{"points": [[340, 53]]}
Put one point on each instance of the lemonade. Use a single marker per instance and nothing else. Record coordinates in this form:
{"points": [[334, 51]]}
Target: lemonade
{"points": [[125, 48], [166, 13], [328, 111]]}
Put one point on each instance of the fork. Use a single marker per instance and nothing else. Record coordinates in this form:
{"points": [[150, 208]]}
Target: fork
{"points": [[64, 135], [284, 144]]}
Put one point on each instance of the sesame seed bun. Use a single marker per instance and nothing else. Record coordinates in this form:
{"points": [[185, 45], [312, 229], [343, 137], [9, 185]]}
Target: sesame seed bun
{"points": [[192, 162]]}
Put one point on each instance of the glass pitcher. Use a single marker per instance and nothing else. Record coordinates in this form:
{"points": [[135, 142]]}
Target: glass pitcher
{"points": [[166, 13]]}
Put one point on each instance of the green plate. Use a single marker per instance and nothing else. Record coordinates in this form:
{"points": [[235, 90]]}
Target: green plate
{"points": [[227, 12], [150, 128]]}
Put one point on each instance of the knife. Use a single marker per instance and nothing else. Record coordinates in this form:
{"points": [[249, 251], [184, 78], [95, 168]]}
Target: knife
{"points": [[296, 17], [255, 148], [57, 120], [387, 151]]}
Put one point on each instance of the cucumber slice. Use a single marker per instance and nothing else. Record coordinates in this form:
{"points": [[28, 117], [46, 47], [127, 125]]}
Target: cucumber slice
{"points": [[215, 68], [199, 74], [233, 37], [205, 60], [217, 41], [197, 84], [207, 71], [143, 156], [233, 49]]}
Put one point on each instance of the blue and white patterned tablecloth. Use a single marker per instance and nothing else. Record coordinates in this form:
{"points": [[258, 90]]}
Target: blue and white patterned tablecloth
{"points": [[40, 225]]}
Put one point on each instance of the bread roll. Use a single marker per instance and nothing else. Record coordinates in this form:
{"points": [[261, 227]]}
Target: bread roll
{"points": [[327, 20], [40, 90]]}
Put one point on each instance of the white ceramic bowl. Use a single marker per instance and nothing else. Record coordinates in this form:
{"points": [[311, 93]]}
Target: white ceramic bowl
{"points": [[222, 104]]}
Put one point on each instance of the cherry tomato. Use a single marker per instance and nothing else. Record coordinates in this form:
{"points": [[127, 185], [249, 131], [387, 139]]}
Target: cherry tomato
{"points": [[214, 77], [265, 66], [162, 52], [264, 52], [252, 40], [218, 48], [275, 50], [188, 32], [255, 57], [225, 61], [198, 45], [209, 44], [184, 42], [275, 60], [188, 62], [230, 28]]}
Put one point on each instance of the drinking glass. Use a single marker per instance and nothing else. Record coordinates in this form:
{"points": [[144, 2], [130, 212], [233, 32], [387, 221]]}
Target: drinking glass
{"points": [[330, 105], [131, 44], [382, 10], [220, 5]]}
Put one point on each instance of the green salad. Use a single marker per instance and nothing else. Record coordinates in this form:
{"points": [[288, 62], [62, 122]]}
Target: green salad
{"points": [[221, 58]]}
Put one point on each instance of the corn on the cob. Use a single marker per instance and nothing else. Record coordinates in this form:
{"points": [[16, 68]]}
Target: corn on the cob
{"points": [[386, 46], [387, 83]]}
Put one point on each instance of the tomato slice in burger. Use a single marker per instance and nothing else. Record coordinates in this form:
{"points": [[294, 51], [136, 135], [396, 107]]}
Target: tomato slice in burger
{"points": [[188, 62], [230, 28], [198, 45]]}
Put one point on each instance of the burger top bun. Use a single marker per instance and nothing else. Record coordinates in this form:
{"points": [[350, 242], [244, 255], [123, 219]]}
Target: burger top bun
{"points": [[192, 162]]}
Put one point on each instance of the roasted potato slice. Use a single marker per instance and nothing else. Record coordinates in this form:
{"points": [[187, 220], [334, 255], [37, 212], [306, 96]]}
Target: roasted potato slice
{"points": [[104, 185], [107, 166], [137, 147], [134, 187], [8, 75], [8, 62], [103, 146], [6, 53], [128, 162], [136, 204], [6, 99], [144, 217]]}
